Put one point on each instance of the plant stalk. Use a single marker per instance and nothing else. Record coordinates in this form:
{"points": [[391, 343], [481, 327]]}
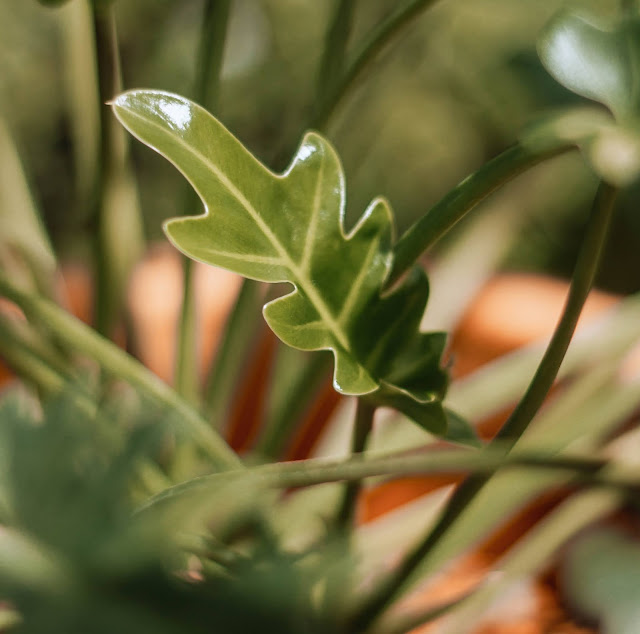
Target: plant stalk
{"points": [[362, 427], [464, 197], [210, 56], [380, 37], [78, 336], [317, 471], [583, 278], [335, 47], [108, 71]]}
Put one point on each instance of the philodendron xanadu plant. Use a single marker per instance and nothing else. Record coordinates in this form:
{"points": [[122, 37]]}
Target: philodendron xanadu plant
{"points": [[210, 553]]}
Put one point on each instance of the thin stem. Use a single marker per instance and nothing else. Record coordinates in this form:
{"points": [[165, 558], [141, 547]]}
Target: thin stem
{"points": [[304, 473], [583, 277], [109, 84], [213, 38], [77, 336], [335, 47], [237, 337], [207, 90], [362, 427], [464, 197], [377, 40], [302, 389]]}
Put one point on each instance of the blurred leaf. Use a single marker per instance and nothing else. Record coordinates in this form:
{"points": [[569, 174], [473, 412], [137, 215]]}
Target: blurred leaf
{"points": [[602, 579], [74, 559], [20, 224], [595, 61], [460, 430], [612, 150], [289, 227]]}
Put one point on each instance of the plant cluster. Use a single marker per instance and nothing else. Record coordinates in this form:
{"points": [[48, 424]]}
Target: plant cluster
{"points": [[123, 506]]}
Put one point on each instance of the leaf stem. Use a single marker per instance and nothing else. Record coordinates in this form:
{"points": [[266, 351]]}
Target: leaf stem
{"points": [[362, 427], [377, 40], [108, 85], [583, 278], [464, 197], [210, 56], [312, 472], [335, 46], [73, 333]]}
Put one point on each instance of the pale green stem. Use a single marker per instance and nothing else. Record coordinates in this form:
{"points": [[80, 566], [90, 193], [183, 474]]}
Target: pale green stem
{"points": [[207, 89], [464, 197], [81, 338], [362, 426], [377, 40], [304, 473], [583, 278]]}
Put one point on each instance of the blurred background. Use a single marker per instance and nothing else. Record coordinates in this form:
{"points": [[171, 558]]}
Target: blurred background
{"points": [[454, 90]]}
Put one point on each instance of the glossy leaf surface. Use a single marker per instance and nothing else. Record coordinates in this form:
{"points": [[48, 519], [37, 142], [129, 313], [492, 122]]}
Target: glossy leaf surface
{"points": [[595, 60], [289, 228]]}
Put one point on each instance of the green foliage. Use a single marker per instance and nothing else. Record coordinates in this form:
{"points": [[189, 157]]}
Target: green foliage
{"points": [[601, 579], [595, 61], [113, 517], [289, 227], [73, 558], [602, 64]]}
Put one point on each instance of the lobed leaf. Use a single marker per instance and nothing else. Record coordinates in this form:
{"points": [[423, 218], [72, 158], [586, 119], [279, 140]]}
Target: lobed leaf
{"points": [[290, 228]]}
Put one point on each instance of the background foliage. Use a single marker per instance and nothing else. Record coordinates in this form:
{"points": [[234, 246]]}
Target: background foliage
{"points": [[453, 92]]}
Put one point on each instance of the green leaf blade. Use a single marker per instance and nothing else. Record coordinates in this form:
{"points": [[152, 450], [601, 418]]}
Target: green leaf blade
{"points": [[595, 60], [290, 228]]}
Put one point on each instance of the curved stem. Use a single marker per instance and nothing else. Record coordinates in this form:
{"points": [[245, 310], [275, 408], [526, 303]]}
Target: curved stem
{"points": [[79, 337], [380, 37], [362, 427], [312, 472], [213, 35], [464, 197], [583, 277]]}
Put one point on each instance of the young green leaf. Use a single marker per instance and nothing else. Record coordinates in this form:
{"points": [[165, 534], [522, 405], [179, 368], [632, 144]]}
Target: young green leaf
{"points": [[289, 228], [591, 60]]}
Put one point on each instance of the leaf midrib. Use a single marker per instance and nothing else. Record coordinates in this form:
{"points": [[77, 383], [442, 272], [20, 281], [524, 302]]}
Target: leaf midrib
{"points": [[305, 284]]}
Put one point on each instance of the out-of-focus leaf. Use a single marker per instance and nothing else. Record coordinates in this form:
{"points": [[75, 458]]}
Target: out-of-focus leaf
{"points": [[460, 430], [612, 150], [20, 223], [602, 579], [595, 60], [289, 227]]}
